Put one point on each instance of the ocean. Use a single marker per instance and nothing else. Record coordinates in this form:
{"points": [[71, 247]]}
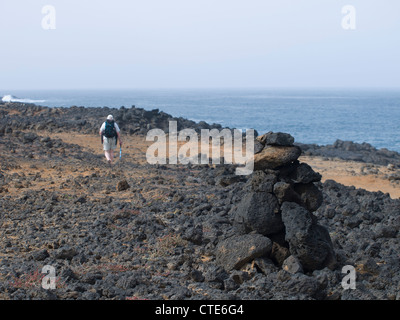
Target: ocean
{"points": [[317, 116]]}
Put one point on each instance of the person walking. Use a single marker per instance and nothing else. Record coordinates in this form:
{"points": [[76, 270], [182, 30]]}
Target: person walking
{"points": [[110, 135]]}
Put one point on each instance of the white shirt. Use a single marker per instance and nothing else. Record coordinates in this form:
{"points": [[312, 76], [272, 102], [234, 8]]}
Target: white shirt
{"points": [[103, 127]]}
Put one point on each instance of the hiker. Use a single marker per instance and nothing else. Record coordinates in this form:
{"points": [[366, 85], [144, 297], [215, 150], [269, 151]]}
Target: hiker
{"points": [[110, 134]]}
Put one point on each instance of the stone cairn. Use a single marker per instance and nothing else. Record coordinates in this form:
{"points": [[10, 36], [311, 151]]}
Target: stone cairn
{"points": [[274, 220]]}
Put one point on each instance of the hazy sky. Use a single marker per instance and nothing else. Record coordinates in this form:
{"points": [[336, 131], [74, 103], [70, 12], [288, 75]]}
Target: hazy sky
{"points": [[204, 43]]}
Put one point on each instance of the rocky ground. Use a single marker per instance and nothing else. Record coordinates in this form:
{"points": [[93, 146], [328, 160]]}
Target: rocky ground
{"points": [[140, 231]]}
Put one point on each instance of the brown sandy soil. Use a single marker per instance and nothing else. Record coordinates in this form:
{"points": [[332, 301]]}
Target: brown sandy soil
{"points": [[134, 147], [53, 178], [349, 173]]}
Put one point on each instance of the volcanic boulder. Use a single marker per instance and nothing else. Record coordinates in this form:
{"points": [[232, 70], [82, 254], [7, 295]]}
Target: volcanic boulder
{"points": [[310, 195], [308, 241], [235, 252], [258, 211]]}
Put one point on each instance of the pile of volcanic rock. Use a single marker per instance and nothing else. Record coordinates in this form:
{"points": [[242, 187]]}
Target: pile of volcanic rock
{"points": [[274, 221]]}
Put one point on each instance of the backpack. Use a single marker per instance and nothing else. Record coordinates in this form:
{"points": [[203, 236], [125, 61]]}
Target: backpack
{"points": [[110, 131]]}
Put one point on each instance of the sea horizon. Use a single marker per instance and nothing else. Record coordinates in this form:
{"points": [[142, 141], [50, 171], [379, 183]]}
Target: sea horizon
{"points": [[319, 115]]}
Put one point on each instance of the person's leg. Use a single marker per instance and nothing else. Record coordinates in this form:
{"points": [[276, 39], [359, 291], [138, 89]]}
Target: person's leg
{"points": [[107, 154], [107, 150], [112, 148]]}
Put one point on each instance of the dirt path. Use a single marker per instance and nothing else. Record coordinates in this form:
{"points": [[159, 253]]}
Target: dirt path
{"points": [[349, 173]]}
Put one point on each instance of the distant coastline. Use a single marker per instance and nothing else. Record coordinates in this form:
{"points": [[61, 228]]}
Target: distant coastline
{"points": [[319, 116], [139, 121]]}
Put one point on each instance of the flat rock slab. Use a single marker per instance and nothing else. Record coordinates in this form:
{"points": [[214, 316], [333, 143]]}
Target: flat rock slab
{"points": [[235, 252], [272, 157]]}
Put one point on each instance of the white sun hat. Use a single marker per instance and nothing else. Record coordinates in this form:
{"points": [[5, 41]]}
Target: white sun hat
{"points": [[110, 117]]}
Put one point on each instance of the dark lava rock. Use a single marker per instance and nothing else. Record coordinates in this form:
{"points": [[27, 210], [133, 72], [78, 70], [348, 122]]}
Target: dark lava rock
{"points": [[29, 137], [122, 185], [276, 139], [194, 234], [262, 182], [304, 174], [308, 241], [258, 211], [258, 146], [285, 192], [310, 195], [235, 252], [279, 253], [40, 255], [292, 265], [65, 253]]}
